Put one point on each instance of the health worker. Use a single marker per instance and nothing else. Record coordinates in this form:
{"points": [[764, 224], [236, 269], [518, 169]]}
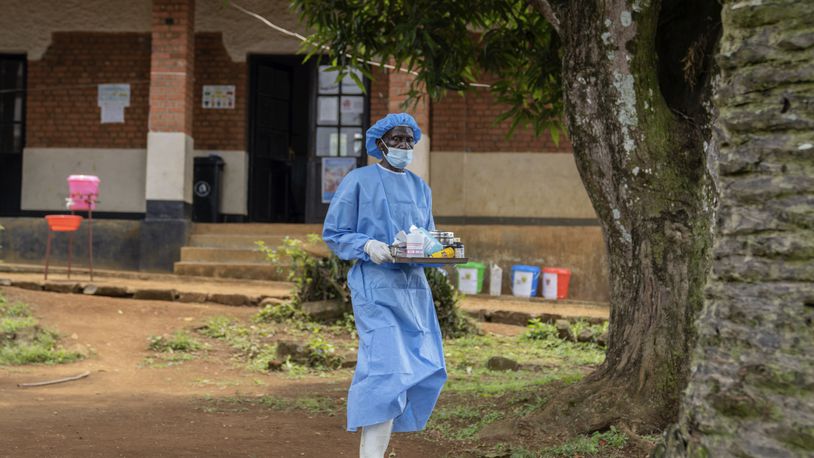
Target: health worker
{"points": [[400, 368]]}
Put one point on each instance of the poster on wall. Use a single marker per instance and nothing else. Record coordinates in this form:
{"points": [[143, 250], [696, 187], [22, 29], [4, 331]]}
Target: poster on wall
{"points": [[113, 99], [334, 170], [220, 97]]}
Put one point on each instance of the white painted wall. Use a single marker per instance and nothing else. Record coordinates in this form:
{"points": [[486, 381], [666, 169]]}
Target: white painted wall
{"points": [[26, 25], [169, 166], [121, 171], [123, 176], [235, 192], [535, 185], [421, 159], [244, 34]]}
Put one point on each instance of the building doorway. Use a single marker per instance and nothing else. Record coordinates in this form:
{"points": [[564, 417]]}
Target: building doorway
{"points": [[278, 138], [12, 131], [299, 117]]}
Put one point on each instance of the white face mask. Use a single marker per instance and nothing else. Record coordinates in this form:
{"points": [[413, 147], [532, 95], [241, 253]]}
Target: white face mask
{"points": [[397, 157]]}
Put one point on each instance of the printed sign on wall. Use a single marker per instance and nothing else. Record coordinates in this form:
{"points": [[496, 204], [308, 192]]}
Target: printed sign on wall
{"points": [[219, 97], [112, 99]]}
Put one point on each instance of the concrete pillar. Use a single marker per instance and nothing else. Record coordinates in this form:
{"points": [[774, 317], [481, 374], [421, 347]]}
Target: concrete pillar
{"points": [[169, 140], [398, 88]]}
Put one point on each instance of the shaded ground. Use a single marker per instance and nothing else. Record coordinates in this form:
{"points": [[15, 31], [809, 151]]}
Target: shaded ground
{"points": [[126, 409], [135, 403]]}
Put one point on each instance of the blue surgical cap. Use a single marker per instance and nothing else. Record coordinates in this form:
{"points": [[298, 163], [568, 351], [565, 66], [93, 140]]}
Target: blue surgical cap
{"points": [[385, 124]]}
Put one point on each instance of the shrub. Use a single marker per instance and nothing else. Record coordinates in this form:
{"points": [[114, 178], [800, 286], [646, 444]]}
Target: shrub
{"points": [[446, 297], [316, 278], [537, 330], [322, 354]]}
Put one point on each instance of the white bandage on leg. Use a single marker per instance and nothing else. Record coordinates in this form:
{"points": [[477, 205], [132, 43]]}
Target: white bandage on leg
{"points": [[375, 439]]}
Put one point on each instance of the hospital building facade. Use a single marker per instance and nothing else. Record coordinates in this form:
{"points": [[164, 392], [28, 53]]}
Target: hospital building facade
{"points": [[132, 91]]}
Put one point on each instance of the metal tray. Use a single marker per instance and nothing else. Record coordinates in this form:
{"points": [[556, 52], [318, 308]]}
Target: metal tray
{"points": [[402, 260]]}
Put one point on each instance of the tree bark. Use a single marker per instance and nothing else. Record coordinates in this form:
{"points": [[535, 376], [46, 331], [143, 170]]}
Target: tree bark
{"points": [[752, 389], [641, 137]]}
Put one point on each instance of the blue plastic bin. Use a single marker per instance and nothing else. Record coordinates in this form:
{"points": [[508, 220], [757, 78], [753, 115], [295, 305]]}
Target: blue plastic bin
{"points": [[525, 280]]}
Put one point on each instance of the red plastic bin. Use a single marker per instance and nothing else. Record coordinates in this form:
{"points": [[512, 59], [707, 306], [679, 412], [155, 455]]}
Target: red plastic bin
{"points": [[555, 282]]}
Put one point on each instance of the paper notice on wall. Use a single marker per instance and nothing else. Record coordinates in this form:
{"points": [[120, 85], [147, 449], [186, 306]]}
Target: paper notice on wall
{"points": [[221, 97], [112, 112], [112, 100]]}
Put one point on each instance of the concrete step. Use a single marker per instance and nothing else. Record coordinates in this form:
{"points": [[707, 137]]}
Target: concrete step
{"points": [[242, 270], [292, 230], [239, 242], [212, 254], [248, 242]]}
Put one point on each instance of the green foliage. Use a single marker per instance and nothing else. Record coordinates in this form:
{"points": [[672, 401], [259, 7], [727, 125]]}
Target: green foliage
{"points": [[315, 278], [279, 313], [180, 341], [537, 330], [558, 361], [249, 341], [22, 341], [322, 354], [449, 45], [318, 278], [588, 445], [462, 422], [217, 327], [167, 359], [452, 320]]}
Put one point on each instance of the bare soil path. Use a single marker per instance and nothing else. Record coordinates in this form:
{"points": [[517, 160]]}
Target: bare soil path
{"points": [[129, 408]]}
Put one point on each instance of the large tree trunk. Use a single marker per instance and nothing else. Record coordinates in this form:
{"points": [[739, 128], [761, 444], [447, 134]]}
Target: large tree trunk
{"points": [[752, 389], [637, 78]]}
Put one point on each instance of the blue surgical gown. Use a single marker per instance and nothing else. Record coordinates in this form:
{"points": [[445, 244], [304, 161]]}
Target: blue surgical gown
{"points": [[400, 368]]}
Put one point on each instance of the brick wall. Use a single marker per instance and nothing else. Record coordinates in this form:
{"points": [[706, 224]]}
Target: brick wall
{"points": [[399, 87], [379, 90], [172, 64], [223, 129], [467, 123], [62, 108]]}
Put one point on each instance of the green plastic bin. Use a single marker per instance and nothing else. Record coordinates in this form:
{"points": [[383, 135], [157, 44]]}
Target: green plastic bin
{"points": [[470, 277]]}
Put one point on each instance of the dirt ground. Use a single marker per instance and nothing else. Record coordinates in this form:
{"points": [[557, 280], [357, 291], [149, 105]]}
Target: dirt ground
{"points": [[125, 408]]}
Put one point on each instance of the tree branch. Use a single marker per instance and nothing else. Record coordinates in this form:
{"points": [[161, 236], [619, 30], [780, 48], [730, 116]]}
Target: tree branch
{"points": [[548, 11]]}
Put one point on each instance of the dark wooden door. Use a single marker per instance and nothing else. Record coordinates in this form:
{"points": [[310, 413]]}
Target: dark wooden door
{"points": [[12, 132], [278, 149]]}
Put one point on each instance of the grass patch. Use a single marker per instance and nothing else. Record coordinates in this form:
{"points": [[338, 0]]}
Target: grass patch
{"points": [[557, 361], [253, 343], [22, 341], [462, 421], [475, 396], [588, 445], [167, 360], [179, 342]]}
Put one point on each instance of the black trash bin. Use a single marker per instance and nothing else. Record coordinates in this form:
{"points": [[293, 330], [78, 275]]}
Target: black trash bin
{"points": [[206, 189]]}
